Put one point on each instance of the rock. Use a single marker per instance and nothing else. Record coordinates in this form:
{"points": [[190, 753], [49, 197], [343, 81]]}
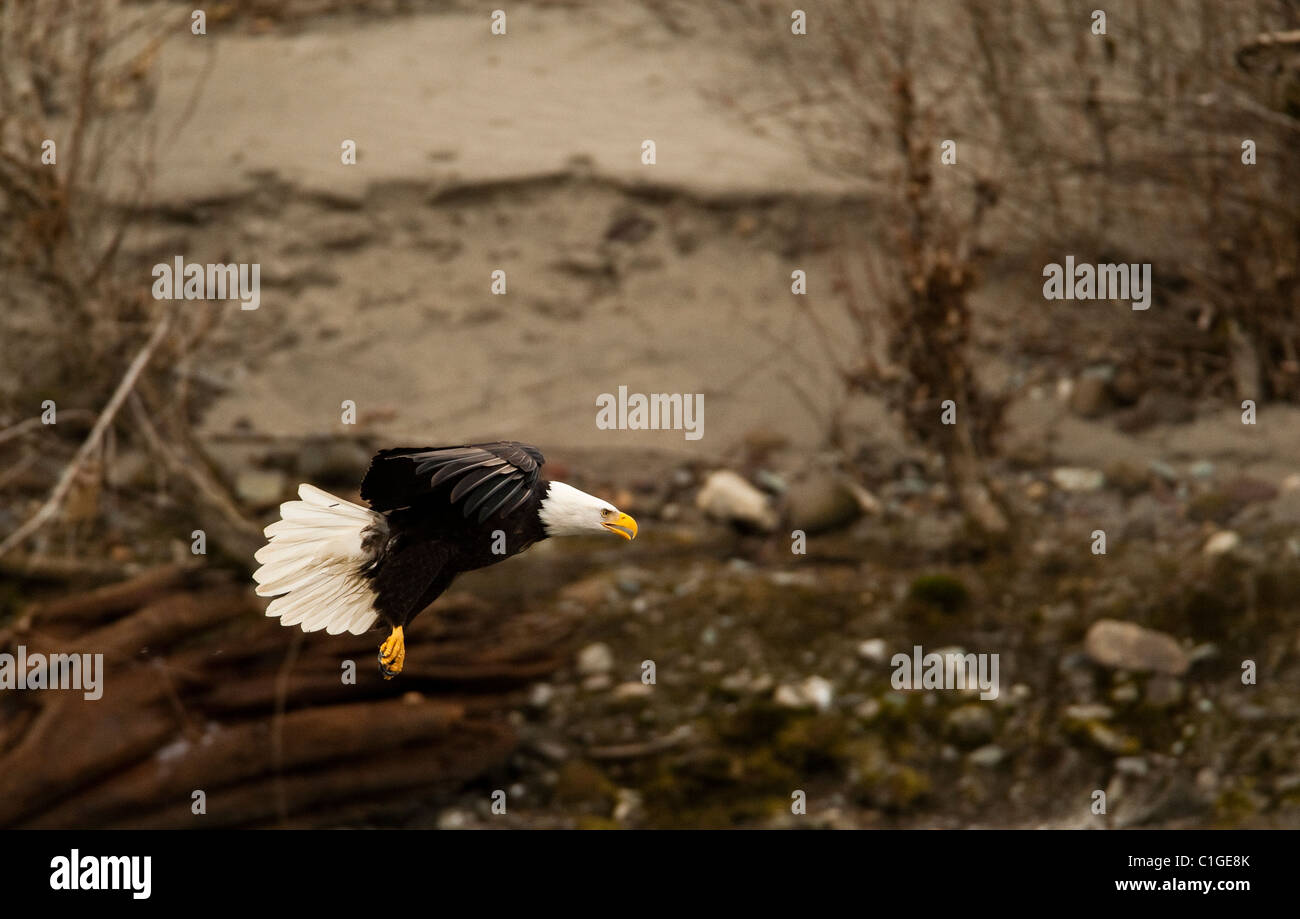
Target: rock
{"points": [[1221, 543], [1223, 504], [1036, 491], [1202, 469], [1244, 490], [1145, 517], [728, 497], [987, 756], [587, 594], [970, 725], [868, 503], [1103, 372], [1248, 712], [1126, 387], [1058, 613], [552, 750], [541, 695], [260, 488], [911, 484], [1131, 765], [821, 503], [628, 805], [868, 709], [597, 682], [1163, 691], [874, 650], [736, 683], [454, 819], [633, 690], [1125, 646], [1089, 712], [935, 532], [1090, 397], [595, 659], [742, 681], [1207, 780], [1110, 740], [1124, 694], [814, 692], [788, 696], [982, 510], [1069, 478], [1211, 507], [1129, 479], [1026, 453], [1163, 471], [818, 691]]}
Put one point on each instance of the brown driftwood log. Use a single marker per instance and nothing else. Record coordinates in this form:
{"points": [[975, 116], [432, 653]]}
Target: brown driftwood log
{"points": [[201, 692]]}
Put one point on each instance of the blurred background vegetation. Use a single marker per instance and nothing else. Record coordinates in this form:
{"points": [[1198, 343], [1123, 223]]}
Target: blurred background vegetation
{"points": [[817, 152]]}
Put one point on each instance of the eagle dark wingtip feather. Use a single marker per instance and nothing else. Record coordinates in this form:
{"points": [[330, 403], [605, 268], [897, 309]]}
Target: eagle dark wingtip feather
{"points": [[391, 483]]}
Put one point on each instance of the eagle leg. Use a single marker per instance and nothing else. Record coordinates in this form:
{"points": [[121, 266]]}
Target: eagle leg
{"points": [[392, 654]]}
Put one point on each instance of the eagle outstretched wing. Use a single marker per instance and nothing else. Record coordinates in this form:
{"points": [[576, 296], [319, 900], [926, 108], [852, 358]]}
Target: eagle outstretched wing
{"points": [[481, 478]]}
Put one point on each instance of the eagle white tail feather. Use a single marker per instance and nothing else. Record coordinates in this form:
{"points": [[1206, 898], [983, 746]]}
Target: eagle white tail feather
{"points": [[311, 564]]}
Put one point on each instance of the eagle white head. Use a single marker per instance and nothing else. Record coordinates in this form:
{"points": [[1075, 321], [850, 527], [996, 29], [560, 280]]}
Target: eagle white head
{"points": [[566, 511]]}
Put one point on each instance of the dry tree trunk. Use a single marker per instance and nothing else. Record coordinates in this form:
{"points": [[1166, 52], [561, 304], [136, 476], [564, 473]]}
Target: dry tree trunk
{"points": [[201, 692]]}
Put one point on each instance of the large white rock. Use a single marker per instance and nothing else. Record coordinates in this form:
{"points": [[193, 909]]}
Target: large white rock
{"points": [[1126, 646], [727, 496]]}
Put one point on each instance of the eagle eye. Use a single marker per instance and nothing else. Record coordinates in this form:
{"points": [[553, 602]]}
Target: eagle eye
{"points": [[605, 512]]}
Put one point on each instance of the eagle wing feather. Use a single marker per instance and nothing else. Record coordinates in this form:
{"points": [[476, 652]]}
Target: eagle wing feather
{"points": [[487, 478]]}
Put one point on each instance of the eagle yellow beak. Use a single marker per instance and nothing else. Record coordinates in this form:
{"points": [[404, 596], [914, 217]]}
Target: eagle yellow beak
{"points": [[623, 525]]}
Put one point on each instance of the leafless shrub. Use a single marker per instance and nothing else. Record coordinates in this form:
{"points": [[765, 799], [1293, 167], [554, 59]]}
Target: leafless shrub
{"points": [[76, 152], [871, 102], [68, 79], [1115, 147], [1133, 142]]}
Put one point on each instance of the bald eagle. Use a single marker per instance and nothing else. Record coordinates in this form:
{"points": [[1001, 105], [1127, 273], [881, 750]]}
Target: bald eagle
{"points": [[434, 512]]}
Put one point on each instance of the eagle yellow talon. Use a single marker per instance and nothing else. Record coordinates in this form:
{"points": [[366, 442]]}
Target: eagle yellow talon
{"points": [[392, 654]]}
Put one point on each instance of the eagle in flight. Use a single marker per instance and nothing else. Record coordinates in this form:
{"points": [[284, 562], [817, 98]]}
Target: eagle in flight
{"points": [[434, 512]]}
